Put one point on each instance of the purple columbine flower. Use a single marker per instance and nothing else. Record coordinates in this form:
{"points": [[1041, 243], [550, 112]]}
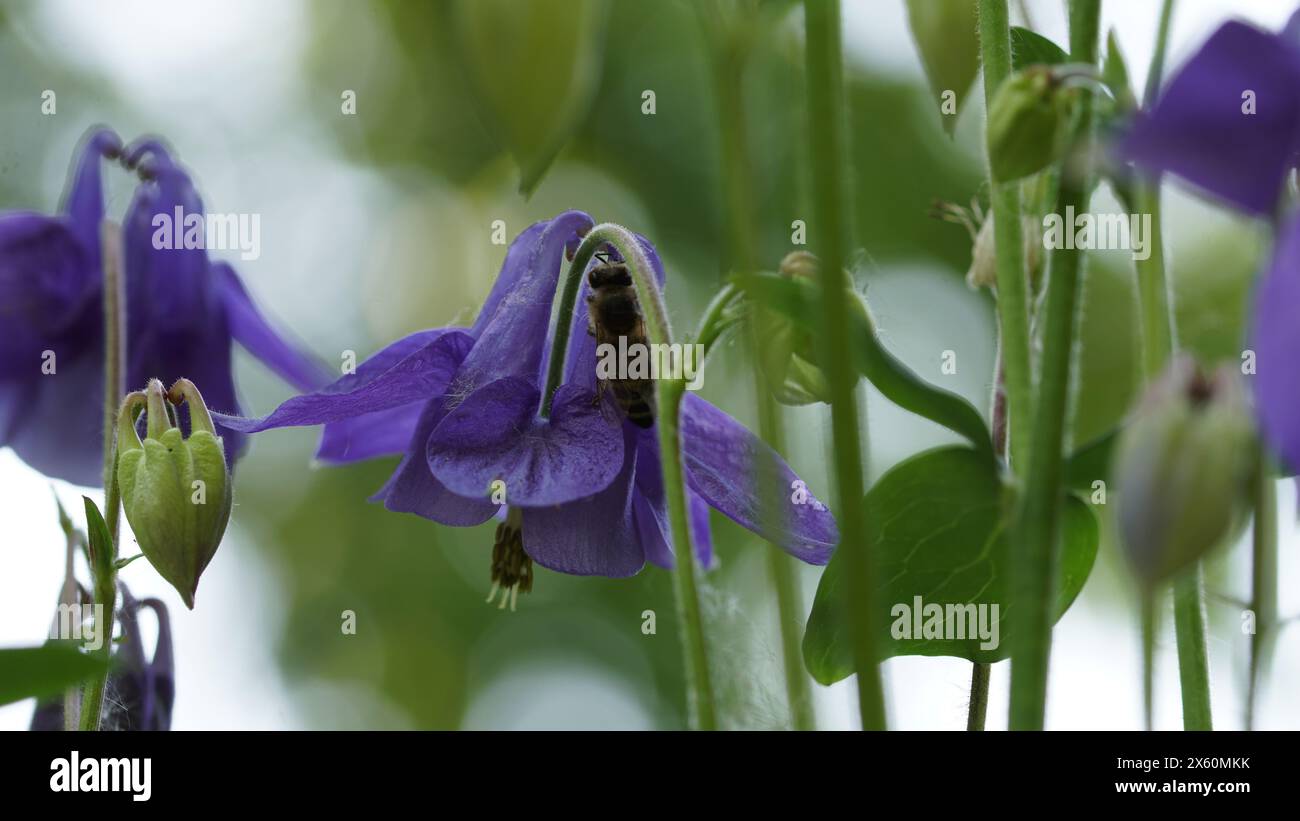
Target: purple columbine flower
{"points": [[1229, 123], [183, 311], [583, 489]]}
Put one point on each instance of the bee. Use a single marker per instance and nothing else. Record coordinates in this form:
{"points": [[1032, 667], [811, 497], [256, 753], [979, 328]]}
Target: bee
{"points": [[614, 313]]}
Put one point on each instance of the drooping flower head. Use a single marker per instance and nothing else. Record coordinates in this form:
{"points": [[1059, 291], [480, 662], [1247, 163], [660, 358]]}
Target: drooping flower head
{"points": [[1229, 123], [580, 491], [183, 309], [51, 325]]}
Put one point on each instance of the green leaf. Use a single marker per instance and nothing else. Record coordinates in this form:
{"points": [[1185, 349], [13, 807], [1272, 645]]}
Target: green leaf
{"points": [[799, 300], [1114, 73], [938, 526], [1029, 48], [534, 68], [101, 544], [36, 672], [1090, 463], [945, 36]]}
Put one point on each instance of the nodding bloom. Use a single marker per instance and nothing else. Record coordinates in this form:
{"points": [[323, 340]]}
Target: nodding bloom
{"points": [[579, 491], [141, 689], [183, 311], [1229, 123]]}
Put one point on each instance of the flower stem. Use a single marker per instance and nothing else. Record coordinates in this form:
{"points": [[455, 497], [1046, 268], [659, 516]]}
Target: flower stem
{"points": [[719, 317], [728, 53], [1039, 521], [1263, 582], [1159, 340], [105, 576], [1156, 72], [1157, 325], [668, 399], [1193, 654], [827, 130], [1008, 244], [979, 696], [1148, 619]]}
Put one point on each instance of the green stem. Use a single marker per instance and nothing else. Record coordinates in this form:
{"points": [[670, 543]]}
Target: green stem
{"points": [[69, 596], [719, 317], [1156, 72], [1148, 618], [1157, 326], [1263, 585], [1039, 521], [105, 575], [728, 57], [668, 399], [789, 606], [979, 696], [1008, 244], [1159, 340], [1193, 654], [827, 130]]}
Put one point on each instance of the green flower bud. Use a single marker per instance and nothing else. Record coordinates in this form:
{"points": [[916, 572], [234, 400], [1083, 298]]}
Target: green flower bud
{"points": [[945, 35], [785, 352], [176, 492], [1183, 469], [1028, 123], [533, 69]]}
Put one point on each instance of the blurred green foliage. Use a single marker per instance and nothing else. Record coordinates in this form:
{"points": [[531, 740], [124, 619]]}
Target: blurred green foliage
{"points": [[426, 643]]}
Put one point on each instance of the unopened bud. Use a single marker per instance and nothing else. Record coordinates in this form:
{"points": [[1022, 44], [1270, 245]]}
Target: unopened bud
{"points": [[1183, 469], [1027, 123], [786, 353], [176, 492]]}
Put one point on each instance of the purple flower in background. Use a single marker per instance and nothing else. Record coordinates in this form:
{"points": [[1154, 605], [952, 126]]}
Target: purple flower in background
{"points": [[583, 489], [141, 689], [1229, 123], [51, 325], [183, 311]]}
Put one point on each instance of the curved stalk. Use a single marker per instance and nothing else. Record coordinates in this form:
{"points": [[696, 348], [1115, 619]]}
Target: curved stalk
{"points": [[719, 317], [668, 397]]}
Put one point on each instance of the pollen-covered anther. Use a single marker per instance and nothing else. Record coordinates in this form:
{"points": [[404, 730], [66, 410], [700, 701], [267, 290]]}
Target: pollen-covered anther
{"points": [[512, 569]]}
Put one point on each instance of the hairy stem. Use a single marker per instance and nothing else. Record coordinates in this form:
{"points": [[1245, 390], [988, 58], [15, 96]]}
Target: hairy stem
{"points": [[1038, 526], [1008, 244], [1159, 340], [1263, 582], [979, 696], [827, 129], [719, 317], [728, 52], [105, 575], [1193, 654], [668, 398]]}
